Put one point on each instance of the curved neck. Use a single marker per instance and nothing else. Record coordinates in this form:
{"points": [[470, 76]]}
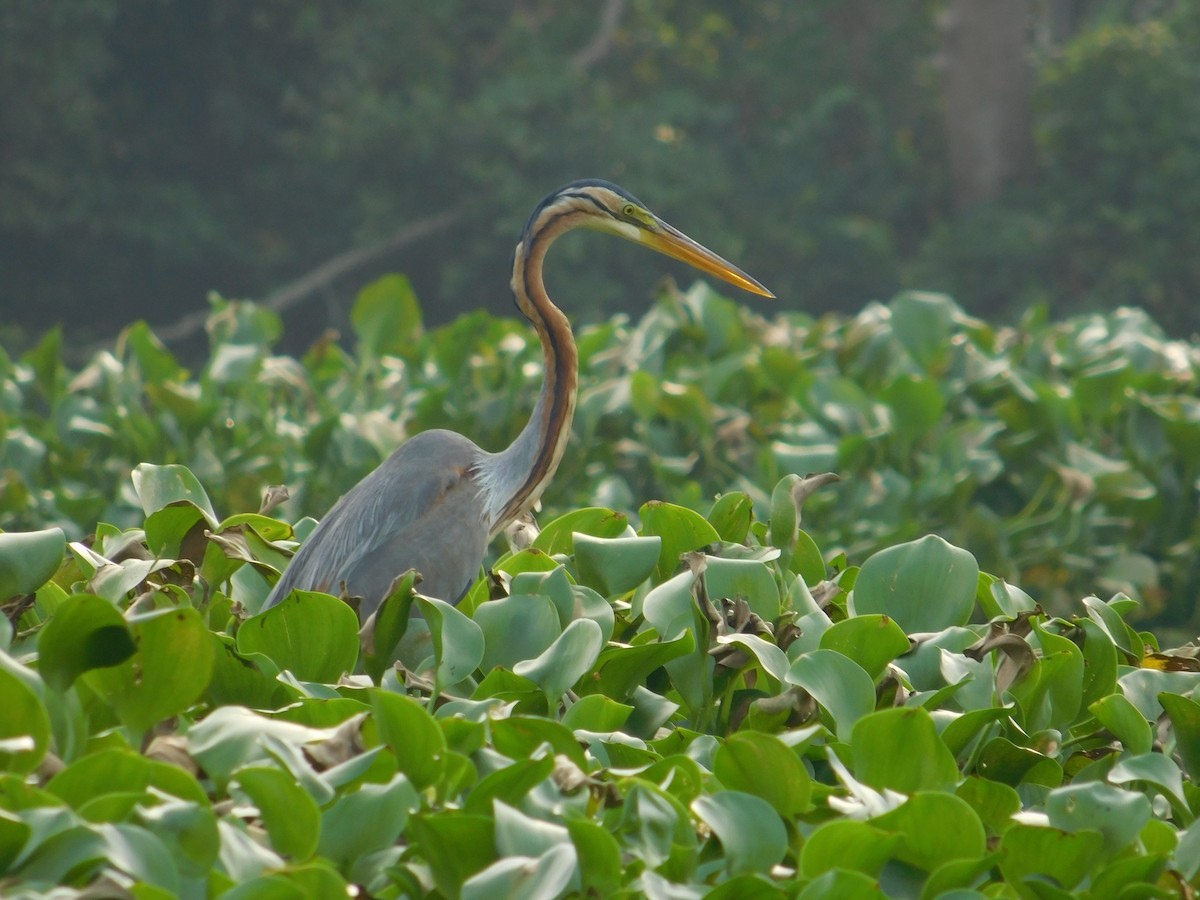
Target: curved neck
{"points": [[513, 480]]}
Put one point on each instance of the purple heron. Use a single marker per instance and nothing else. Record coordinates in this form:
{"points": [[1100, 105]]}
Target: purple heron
{"points": [[438, 500]]}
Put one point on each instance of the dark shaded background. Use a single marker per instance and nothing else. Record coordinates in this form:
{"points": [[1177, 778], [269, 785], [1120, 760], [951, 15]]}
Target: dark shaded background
{"points": [[1009, 152]]}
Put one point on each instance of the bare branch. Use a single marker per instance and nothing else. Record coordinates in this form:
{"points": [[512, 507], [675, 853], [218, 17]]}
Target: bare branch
{"points": [[323, 275], [602, 42]]}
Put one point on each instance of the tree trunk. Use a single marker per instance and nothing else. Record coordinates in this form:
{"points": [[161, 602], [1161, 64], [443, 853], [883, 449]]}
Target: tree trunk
{"points": [[987, 81]]}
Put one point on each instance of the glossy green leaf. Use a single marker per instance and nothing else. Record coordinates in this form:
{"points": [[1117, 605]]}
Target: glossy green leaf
{"points": [[747, 579], [558, 536], [619, 670], [455, 845], [598, 855], [839, 684], [616, 565], [595, 712], [995, 803], [386, 317], [925, 764], [1185, 720], [679, 528], [1067, 857], [515, 628], [509, 784], [312, 635], [289, 814], [565, 661], [1156, 770], [85, 632], [28, 559], [763, 765], [872, 641], [846, 844], [731, 515], [168, 673], [158, 487], [366, 820], [1118, 815], [543, 877], [751, 833], [934, 828], [1122, 718], [413, 736], [24, 725], [457, 641], [924, 585]]}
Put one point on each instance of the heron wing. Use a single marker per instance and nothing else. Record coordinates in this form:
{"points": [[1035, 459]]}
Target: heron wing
{"points": [[419, 509]]}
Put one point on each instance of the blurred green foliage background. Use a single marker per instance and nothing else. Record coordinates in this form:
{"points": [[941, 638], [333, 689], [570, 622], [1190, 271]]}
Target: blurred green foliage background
{"points": [[153, 150]]}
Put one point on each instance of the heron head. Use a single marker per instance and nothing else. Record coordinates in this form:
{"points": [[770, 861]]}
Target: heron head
{"points": [[612, 209]]}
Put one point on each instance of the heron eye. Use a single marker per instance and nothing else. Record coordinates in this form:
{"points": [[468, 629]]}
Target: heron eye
{"points": [[629, 211]]}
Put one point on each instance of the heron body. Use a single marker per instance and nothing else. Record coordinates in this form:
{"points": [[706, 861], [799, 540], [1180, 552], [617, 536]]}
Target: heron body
{"points": [[435, 504]]}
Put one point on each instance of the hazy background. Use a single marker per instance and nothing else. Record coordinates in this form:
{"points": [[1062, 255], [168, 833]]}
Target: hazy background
{"points": [[1011, 152]]}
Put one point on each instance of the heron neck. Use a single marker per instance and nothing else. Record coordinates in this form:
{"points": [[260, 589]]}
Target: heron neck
{"points": [[514, 479]]}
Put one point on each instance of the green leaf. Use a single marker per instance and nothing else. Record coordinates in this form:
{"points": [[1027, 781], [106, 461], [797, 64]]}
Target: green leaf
{"points": [[457, 642], [925, 764], [785, 517], [85, 632], [839, 684], [1154, 769], [751, 833], [935, 828], [369, 819], [509, 784], [168, 673], [872, 641], [24, 725], [97, 774], [391, 621], [565, 661], [413, 736], [731, 515], [313, 635], [1002, 760], [922, 323], [386, 317], [455, 845], [748, 579], [516, 628], [1185, 720], [155, 361], [599, 856], [15, 834], [158, 487], [846, 844], [288, 812], [995, 803], [1122, 718], [245, 679], [681, 530], [925, 585], [1029, 850], [1118, 815], [843, 884], [598, 713], [28, 559], [616, 565], [189, 832], [542, 877], [558, 537], [763, 765], [620, 670]]}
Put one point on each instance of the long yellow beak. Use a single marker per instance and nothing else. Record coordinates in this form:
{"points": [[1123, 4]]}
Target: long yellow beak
{"points": [[674, 243]]}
